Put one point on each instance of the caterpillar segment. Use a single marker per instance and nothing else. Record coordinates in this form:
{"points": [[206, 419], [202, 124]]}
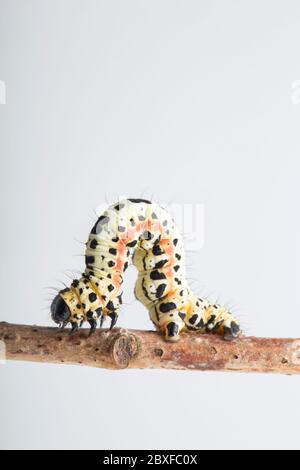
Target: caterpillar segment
{"points": [[145, 231]]}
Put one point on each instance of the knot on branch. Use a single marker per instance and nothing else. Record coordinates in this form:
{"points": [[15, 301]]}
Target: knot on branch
{"points": [[123, 348]]}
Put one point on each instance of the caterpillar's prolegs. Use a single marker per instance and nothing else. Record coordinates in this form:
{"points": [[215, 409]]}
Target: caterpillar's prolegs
{"points": [[221, 322], [173, 329]]}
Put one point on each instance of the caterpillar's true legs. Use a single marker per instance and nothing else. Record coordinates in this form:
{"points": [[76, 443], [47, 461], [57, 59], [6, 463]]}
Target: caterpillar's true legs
{"points": [[62, 325], [93, 324], [74, 328], [92, 318], [114, 318]]}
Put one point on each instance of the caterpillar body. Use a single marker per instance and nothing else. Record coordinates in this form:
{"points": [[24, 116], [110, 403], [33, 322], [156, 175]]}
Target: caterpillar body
{"points": [[146, 231]]}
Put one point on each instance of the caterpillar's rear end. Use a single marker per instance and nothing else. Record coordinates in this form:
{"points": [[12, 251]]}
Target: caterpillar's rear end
{"points": [[141, 228]]}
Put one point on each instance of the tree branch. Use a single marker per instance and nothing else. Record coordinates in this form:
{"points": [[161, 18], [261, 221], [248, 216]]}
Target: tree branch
{"points": [[134, 349]]}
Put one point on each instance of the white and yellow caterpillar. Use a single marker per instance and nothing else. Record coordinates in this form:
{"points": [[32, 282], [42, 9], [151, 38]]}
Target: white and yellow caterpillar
{"points": [[145, 229]]}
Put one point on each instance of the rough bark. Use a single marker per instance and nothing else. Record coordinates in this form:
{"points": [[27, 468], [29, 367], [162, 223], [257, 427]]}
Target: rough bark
{"points": [[134, 349]]}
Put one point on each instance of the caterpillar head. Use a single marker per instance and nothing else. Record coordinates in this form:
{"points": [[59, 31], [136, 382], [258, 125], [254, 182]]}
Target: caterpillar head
{"points": [[60, 312]]}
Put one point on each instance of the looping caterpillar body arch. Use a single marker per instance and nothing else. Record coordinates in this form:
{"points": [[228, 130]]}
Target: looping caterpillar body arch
{"points": [[143, 229]]}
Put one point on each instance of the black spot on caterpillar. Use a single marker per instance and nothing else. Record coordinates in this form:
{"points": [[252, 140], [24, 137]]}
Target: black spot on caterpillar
{"points": [[89, 260], [160, 264], [167, 307], [157, 251], [132, 244], [160, 290], [118, 207], [139, 201], [193, 319], [157, 276], [93, 244], [92, 297]]}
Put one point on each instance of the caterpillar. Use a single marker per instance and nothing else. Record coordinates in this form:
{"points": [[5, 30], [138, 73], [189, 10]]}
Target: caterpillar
{"points": [[147, 232]]}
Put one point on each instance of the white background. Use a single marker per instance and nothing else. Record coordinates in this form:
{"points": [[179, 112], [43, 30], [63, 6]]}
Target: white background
{"points": [[193, 102]]}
